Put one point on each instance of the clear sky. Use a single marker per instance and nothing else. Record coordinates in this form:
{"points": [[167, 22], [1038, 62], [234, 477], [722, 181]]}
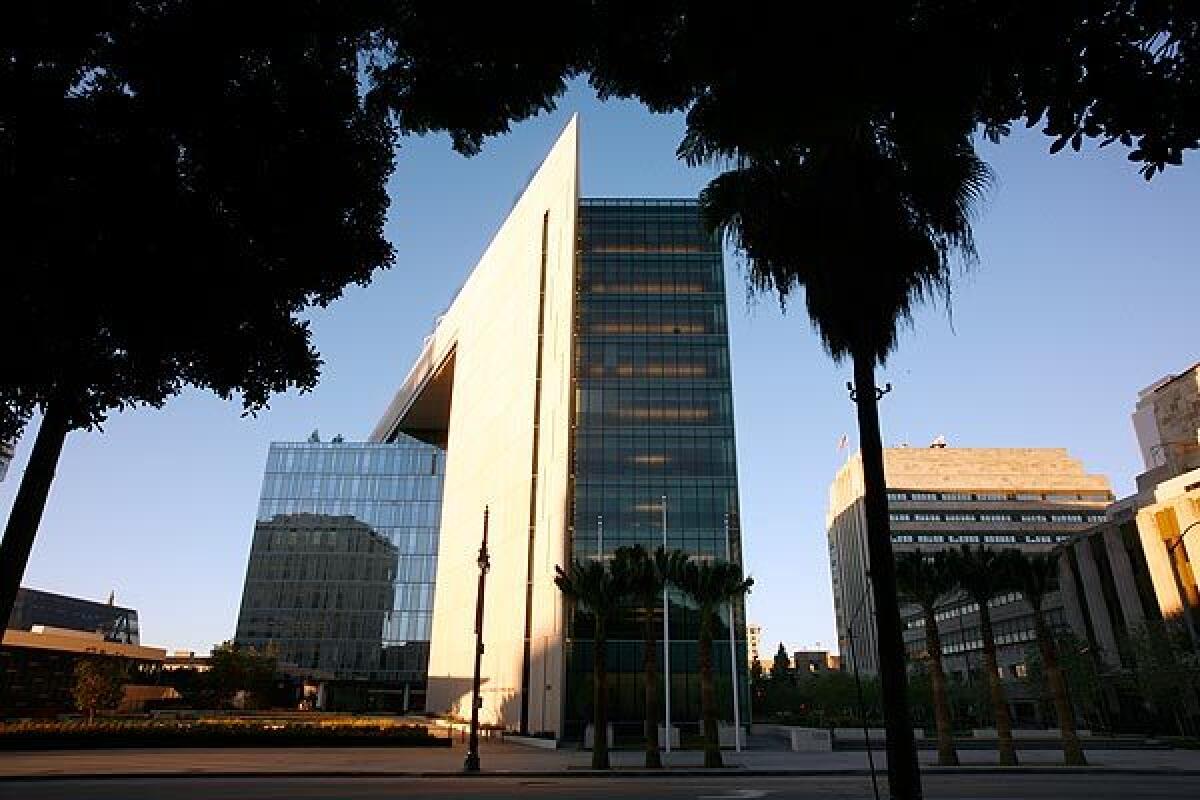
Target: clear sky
{"points": [[1085, 292]]}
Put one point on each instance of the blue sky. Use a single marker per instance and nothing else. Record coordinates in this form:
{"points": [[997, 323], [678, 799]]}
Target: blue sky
{"points": [[1084, 293]]}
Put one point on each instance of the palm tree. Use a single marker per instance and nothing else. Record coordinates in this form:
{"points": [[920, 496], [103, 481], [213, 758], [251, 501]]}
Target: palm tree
{"points": [[865, 217], [1036, 575], [593, 587], [983, 573], [927, 581], [711, 584], [645, 576]]}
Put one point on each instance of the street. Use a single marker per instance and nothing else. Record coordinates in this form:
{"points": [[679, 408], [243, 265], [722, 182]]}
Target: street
{"points": [[937, 787]]}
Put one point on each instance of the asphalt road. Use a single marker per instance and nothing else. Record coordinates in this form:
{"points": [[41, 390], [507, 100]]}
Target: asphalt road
{"points": [[937, 787]]}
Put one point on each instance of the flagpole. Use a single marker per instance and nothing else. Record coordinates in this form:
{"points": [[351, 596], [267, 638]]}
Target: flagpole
{"points": [[733, 659], [666, 638]]}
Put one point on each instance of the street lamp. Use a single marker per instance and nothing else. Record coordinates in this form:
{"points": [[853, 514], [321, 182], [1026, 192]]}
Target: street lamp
{"points": [[472, 762], [1187, 615], [1179, 539]]}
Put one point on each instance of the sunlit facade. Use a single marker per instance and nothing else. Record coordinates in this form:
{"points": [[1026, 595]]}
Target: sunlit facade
{"points": [[580, 377], [340, 579]]}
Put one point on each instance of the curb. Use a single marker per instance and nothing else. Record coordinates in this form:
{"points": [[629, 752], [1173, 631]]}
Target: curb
{"points": [[668, 773]]}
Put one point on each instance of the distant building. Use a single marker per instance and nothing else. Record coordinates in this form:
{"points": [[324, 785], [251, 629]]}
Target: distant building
{"points": [[340, 578], [6, 456], [814, 662], [753, 640], [1167, 423], [187, 659], [34, 607], [940, 498], [48, 634]]}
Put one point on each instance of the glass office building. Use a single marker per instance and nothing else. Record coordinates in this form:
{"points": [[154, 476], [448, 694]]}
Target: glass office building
{"points": [[580, 375], [341, 573], [653, 420]]}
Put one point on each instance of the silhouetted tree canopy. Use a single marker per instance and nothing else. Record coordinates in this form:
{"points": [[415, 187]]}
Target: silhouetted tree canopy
{"points": [[179, 181]]}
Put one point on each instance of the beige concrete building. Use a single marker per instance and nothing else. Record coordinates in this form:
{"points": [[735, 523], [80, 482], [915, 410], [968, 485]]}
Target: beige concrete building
{"points": [[754, 640], [508, 423], [579, 384], [941, 498], [1167, 423]]}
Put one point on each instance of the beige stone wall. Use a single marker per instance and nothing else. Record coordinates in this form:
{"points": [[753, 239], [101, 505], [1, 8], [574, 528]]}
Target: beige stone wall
{"points": [[1162, 517], [982, 469], [492, 331]]}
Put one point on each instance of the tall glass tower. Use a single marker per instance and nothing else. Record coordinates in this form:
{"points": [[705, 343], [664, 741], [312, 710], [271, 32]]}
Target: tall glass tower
{"points": [[580, 375], [653, 422], [342, 565]]}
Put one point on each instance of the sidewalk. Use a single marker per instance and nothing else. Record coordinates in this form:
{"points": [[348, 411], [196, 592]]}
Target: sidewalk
{"points": [[507, 758]]}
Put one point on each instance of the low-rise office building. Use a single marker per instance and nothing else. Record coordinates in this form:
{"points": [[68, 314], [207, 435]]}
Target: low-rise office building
{"points": [[34, 607], [940, 498], [48, 634]]}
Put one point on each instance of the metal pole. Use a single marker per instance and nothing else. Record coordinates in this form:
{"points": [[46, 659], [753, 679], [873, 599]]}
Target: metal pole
{"points": [[733, 659], [471, 764], [862, 710], [600, 536], [666, 640]]}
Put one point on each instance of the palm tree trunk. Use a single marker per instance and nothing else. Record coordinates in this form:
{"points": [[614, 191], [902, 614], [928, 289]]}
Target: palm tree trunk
{"points": [[708, 694], [600, 696], [650, 666], [947, 755], [1072, 749], [27, 508], [1008, 753], [904, 776]]}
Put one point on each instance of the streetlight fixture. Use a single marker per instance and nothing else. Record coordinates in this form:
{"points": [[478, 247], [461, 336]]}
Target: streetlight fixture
{"points": [[1179, 539], [472, 761]]}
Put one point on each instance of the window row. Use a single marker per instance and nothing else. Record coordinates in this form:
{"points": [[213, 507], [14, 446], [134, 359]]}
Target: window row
{"points": [[680, 360], [378, 514], [352, 488], [652, 406], [674, 273], [928, 516], [379, 459], [901, 495], [631, 454], [977, 538], [641, 316]]}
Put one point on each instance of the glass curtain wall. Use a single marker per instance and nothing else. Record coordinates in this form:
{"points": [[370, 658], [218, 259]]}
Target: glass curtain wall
{"points": [[653, 417], [342, 567]]}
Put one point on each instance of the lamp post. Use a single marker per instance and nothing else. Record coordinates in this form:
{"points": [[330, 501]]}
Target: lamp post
{"points": [[1188, 616], [472, 761], [1179, 539]]}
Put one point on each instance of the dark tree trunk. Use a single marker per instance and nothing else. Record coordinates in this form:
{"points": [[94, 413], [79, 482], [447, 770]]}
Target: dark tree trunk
{"points": [[1072, 749], [1008, 753], [947, 755], [650, 666], [708, 693], [600, 697], [29, 504], [904, 776]]}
